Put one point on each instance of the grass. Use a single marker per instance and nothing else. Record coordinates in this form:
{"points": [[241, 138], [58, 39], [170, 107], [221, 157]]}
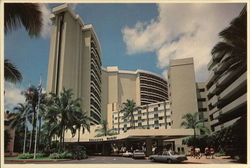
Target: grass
{"points": [[37, 159]]}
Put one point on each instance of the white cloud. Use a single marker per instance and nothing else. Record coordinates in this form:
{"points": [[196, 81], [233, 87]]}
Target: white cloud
{"points": [[180, 31], [12, 96], [46, 21]]}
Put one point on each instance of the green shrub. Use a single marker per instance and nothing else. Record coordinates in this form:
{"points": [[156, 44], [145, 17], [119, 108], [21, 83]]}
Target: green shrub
{"points": [[25, 156], [40, 155], [66, 155], [80, 152], [54, 156]]}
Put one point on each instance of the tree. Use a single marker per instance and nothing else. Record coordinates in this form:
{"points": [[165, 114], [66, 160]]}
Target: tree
{"points": [[16, 15], [19, 120], [103, 130], [234, 42], [82, 121], [128, 110], [191, 122], [11, 73]]}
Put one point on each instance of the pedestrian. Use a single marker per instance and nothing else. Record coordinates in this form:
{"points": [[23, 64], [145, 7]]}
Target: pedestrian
{"points": [[206, 152], [197, 152], [212, 151]]}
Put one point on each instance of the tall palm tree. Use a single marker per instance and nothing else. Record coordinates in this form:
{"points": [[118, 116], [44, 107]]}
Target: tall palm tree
{"points": [[103, 130], [234, 42], [82, 121], [128, 110], [66, 108], [191, 122], [17, 15], [11, 73], [20, 118]]}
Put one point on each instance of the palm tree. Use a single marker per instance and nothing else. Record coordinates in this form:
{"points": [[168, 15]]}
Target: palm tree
{"points": [[82, 121], [66, 109], [103, 130], [19, 120], [128, 110], [234, 42], [191, 122], [16, 15], [11, 73], [27, 15]]}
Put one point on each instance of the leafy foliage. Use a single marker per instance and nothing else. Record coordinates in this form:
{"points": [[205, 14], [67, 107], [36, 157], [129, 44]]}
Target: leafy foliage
{"points": [[11, 73], [103, 130]]}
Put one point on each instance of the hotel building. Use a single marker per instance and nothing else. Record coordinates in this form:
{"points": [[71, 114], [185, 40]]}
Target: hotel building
{"points": [[227, 91], [75, 60], [142, 86]]}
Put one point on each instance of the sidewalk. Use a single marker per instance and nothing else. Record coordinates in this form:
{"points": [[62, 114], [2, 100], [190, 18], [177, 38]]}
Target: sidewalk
{"points": [[216, 160]]}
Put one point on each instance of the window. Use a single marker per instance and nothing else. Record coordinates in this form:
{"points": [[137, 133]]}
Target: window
{"points": [[125, 120], [156, 127], [125, 125], [159, 105], [115, 118], [201, 99], [156, 109], [160, 118], [202, 90], [156, 122], [139, 124], [112, 106], [155, 115], [139, 112], [202, 109], [139, 118]]}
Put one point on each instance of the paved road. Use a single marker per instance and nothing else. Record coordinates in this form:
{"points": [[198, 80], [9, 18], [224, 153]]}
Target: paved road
{"points": [[125, 160]]}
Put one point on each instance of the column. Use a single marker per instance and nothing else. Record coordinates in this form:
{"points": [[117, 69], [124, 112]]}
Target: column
{"points": [[148, 147]]}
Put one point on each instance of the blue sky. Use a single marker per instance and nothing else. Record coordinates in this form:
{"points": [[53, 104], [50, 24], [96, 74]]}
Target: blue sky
{"points": [[132, 36]]}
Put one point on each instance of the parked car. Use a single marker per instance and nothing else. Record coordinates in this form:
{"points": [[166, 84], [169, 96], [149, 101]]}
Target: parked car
{"points": [[169, 157], [127, 154], [138, 154]]}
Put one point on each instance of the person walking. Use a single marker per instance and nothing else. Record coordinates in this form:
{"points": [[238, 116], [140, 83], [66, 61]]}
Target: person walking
{"points": [[206, 152], [212, 151]]}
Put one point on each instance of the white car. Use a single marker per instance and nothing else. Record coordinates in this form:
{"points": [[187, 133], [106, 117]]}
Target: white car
{"points": [[138, 154], [127, 154], [169, 157]]}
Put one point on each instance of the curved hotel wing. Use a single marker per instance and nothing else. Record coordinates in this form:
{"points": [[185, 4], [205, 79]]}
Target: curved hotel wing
{"points": [[75, 60]]}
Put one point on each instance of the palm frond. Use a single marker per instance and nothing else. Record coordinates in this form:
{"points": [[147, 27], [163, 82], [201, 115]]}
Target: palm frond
{"points": [[11, 73]]}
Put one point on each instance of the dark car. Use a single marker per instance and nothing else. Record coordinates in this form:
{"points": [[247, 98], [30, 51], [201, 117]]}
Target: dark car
{"points": [[169, 157]]}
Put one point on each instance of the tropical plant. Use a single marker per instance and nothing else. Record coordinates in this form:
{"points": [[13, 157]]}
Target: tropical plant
{"points": [[129, 107], [234, 42], [19, 120], [16, 15], [103, 130], [7, 139], [191, 122], [82, 121], [11, 73]]}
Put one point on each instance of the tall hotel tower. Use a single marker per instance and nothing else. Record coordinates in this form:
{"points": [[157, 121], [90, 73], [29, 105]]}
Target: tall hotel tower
{"points": [[74, 60]]}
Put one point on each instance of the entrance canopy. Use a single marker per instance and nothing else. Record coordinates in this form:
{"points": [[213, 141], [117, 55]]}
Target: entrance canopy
{"points": [[138, 134]]}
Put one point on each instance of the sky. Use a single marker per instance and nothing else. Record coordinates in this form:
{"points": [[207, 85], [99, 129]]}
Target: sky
{"points": [[132, 36]]}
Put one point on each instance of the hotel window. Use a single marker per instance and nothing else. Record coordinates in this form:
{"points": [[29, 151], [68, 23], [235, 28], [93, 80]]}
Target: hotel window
{"points": [[112, 106], [125, 120], [156, 122], [139, 124], [156, 109], [159, 105], [201, 99], [139, 118], [155, 115], [202, 90], [202, 109], [115, 118], [139, 112], [160, 118]]}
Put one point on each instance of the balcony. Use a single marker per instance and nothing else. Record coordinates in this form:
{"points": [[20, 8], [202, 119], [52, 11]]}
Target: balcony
{"points": [[227, 77], [213, 102], [213, 110], [217, 114], [214, 122], [211, 64], [234, 87], [235, 104]]}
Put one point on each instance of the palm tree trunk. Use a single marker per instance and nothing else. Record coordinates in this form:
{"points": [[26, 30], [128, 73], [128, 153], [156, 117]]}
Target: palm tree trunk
{"points": [[78, 135], [25, 134], [194, 137], [33, 129], [39, 132], [31, 134]]}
